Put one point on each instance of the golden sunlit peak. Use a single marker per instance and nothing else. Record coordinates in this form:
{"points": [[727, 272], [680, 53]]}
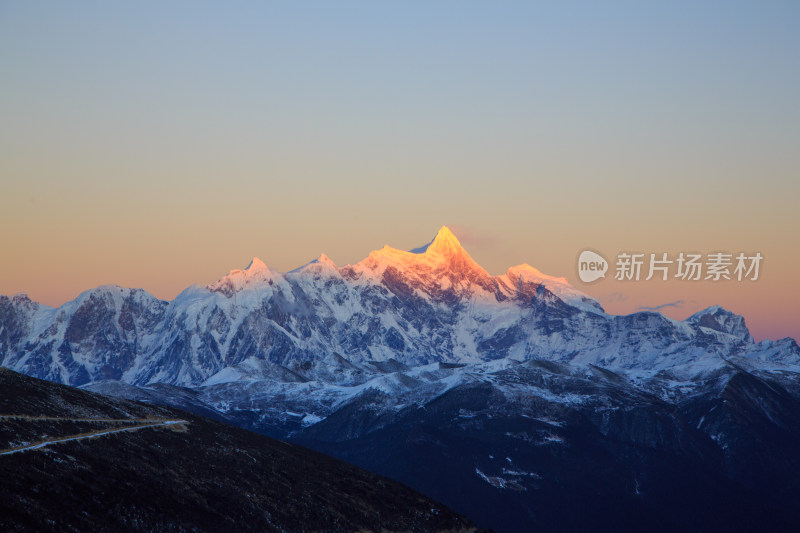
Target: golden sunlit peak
{"points": [[445, 243]]}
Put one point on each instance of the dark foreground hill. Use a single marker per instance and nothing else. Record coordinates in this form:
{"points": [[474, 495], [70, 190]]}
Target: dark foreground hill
{"points": [[160, 469]]}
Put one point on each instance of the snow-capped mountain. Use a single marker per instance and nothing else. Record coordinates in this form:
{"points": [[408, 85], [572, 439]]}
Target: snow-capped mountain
{"points": [[517, 389], [323, 322]]}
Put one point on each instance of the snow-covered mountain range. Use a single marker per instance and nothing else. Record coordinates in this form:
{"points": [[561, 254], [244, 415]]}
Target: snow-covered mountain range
{"points": [[339, 324], [517, 389]]}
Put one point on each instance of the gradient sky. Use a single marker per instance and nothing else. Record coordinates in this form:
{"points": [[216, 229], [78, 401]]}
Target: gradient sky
{"points": [[160, 144]]}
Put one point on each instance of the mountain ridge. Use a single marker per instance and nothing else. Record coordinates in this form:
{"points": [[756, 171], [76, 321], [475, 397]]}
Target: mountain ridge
{"points": [[434, 304], [494, 394]]}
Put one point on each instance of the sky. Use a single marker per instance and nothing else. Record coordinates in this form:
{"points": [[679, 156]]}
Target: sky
{"points": [[161, 144]]}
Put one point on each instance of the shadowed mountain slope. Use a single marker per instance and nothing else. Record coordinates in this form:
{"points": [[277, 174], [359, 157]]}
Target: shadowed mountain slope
{"points": [[198, 476]]}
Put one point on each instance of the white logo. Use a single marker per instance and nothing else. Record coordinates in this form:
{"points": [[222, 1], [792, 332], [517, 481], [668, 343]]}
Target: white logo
{"points": [[591, 266], [631, 266]]}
